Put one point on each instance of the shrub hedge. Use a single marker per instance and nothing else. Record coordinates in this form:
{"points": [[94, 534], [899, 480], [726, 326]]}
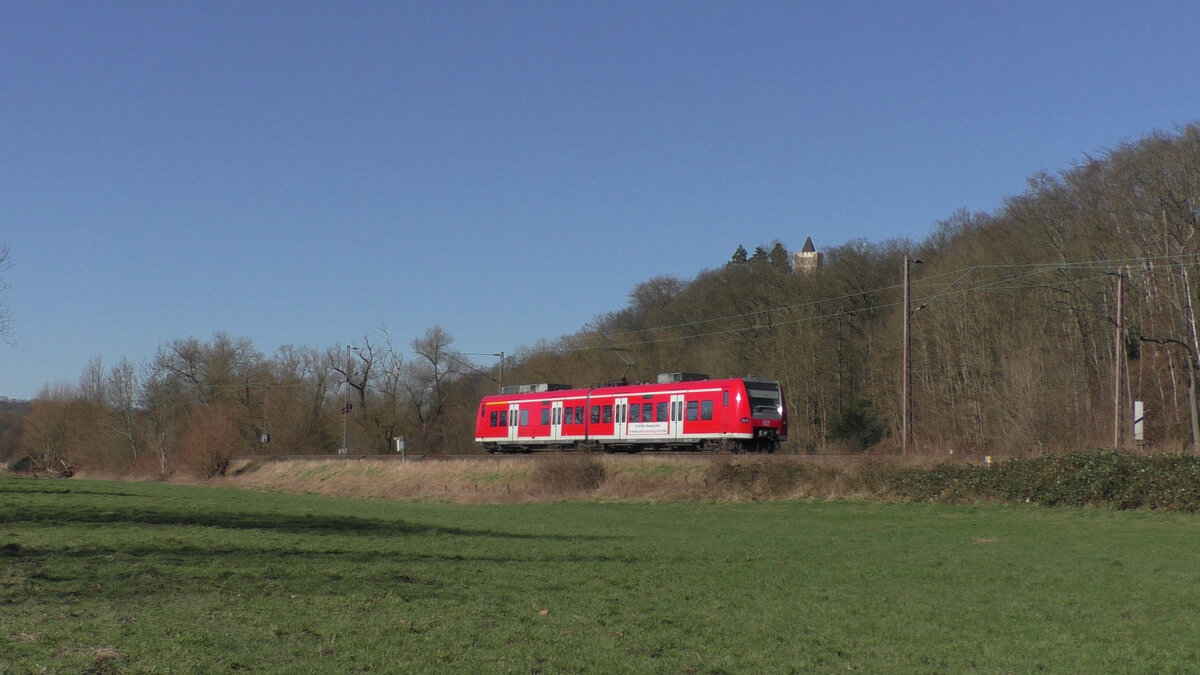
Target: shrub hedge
{"points": [[1101, 478]]}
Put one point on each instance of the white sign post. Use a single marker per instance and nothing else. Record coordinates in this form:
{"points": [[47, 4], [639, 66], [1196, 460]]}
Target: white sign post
{"points": [[1139, 434]]}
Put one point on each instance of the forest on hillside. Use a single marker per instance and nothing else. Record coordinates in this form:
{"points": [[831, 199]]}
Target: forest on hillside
{"points": [[1017, 344]]}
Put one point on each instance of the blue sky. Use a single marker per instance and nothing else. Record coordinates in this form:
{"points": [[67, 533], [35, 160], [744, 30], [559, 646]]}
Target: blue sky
{"points": [[306, 173]]}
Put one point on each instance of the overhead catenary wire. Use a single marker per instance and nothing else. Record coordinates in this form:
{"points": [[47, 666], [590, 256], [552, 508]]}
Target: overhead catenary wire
{"points": [[1020, 272], [1013, 277]]}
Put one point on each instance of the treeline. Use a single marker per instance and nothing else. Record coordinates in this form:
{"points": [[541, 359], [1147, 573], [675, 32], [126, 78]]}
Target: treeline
{"points": [[1014, 323], [197, 404], [1015, 344]]}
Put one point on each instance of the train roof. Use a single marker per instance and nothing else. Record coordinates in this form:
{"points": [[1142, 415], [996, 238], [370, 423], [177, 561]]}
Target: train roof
{"points": [[534, 388], [664, 383]]}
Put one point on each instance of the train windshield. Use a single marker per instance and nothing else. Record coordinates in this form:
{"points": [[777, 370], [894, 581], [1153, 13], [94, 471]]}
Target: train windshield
{"points": [[765, 401]]}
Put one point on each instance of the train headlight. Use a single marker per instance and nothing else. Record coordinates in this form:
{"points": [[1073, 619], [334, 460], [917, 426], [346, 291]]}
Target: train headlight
{"points": [[780, 409], [745, 420]]}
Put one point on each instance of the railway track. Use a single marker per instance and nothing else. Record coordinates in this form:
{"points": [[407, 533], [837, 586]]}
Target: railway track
{"points": [[779, 457]]}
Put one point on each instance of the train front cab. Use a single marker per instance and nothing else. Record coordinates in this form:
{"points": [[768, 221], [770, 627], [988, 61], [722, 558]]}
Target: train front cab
{"points": [[768, 414]]}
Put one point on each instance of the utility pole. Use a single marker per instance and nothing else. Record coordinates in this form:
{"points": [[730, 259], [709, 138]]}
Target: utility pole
{"points": [[500, 381], [906, 362], [1118, 358], [265, 437], [348, 406]]}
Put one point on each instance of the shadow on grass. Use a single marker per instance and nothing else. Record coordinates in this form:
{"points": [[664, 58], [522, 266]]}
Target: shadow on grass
{"points": [[275, 522], [100, 544], [139, 571], [51, 486], [101, 506], [116, 574]]}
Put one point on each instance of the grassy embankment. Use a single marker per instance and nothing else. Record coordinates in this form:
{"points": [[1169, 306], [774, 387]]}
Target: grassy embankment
{"points": [[520, 479], [147, 577], [1102, 478]]}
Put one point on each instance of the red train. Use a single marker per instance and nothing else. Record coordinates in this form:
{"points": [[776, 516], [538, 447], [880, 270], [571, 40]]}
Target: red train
{"points": [[680, 411]]}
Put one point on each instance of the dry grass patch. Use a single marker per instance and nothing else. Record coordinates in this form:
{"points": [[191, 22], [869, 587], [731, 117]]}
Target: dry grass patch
{"points": [[489, 480], [501, 480], [569, 475], [559, 476], [103, 660]]}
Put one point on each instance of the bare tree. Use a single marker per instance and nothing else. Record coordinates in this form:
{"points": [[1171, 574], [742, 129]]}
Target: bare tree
{"points": [[47, 428], [296, 411], [427, 378], [122, 389], [161, 398], [91, 382], [388, 414], [210, 371], [354, 368], [370, 376]]}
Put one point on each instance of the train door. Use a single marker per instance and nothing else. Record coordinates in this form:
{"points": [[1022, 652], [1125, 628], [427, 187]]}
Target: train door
{"points": [[621, 418], [556, 420], [675, 428], [514, 415]]}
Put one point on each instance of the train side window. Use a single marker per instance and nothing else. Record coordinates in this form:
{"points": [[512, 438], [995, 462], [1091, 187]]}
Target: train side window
{"points": [[595, 414], [725, 400], [607, 414], [706, 410], [579, 415], [635, 412], [663, 411], [503, 418], [495, 415], [693, 411], [545, 416], [524, 418]]}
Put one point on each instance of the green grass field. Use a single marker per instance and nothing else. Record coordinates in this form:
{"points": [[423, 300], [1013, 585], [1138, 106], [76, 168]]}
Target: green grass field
{"points": [[100, 576]]}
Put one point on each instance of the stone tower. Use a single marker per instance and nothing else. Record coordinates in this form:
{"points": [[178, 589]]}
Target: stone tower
{"points": [[807, 260]]}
